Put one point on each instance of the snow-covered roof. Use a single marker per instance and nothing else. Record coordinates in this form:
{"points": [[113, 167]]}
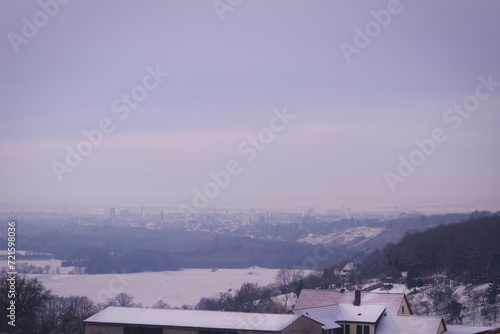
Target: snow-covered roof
{"points": [[458, 329], [193, 319], [326, 315], [315, 298], [331, 314], [363, 313], [350, 266], [408, 324]]}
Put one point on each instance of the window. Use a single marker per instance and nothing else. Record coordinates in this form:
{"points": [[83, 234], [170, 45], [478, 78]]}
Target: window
{"points": [[347, 329], [366, 330], [403, 309], [359, 329]]}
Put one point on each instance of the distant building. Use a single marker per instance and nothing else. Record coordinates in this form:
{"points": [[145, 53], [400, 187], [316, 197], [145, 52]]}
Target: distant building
{"points": [[87, 221], [112, 214], [349, 269], [348, 213], [125, 213], [124, 320]]}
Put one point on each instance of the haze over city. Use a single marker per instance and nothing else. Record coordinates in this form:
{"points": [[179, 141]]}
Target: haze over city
{"points": [[261, 104]]}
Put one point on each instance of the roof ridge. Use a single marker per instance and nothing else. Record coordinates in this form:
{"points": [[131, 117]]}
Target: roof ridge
{"points": [[329, 305], [419, 316]]}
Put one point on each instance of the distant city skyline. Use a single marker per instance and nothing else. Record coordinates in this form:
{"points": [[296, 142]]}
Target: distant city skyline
{"points": [[354, 210], [263, 104]]}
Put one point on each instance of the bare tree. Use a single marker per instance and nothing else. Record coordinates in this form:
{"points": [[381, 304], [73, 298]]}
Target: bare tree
{"points": [[492, 298], [246, 295], [122, 299], [75, 310], [125, 300], [420, 305], [285, 277], [160, 303], [29, 302], [49, 318]]}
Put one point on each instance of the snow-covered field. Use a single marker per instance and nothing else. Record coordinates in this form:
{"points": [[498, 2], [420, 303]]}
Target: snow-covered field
{"points": [[177, 288]]}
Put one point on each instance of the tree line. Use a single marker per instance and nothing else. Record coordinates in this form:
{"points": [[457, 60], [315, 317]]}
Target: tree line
{"points": [[225, 252]]}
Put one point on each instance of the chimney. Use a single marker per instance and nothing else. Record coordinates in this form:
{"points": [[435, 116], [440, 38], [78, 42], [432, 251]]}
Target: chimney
{"points": [[357, 297]]}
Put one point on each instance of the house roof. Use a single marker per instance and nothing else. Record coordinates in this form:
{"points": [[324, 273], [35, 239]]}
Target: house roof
{"points": [[330, 315], [409, 324], [193, 319], [323, 314], [363, 313], [458, 329], [315, 298], [350, 265]]}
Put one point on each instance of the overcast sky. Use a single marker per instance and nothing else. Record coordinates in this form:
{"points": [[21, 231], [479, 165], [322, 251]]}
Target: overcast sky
{"points": [[358, 93]]}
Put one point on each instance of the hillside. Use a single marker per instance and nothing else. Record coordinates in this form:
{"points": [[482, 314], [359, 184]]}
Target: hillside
{"points": [[468, 252]]}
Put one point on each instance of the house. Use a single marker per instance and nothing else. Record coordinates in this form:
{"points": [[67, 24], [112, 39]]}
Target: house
{"points": [[123, 320], [349, 268], [359, 312]]}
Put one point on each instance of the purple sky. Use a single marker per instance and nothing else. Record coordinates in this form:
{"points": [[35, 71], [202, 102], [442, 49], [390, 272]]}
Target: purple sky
{"points": [[353, 120]]}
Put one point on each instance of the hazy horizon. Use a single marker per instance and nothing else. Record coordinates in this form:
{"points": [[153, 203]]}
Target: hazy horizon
{"points": [[260, 104]]}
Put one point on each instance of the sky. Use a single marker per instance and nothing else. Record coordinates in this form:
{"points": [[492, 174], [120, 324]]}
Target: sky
{"points": [[238, 103]]}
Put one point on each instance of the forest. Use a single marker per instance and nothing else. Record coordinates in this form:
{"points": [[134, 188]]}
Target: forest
{"points": [[226, 252], [467, 251]]}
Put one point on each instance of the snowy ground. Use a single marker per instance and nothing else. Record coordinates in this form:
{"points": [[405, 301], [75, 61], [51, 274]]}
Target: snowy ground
{"points": [[343, 237], [471, 312], [396, 288], [187, 286], [464, 295]]}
